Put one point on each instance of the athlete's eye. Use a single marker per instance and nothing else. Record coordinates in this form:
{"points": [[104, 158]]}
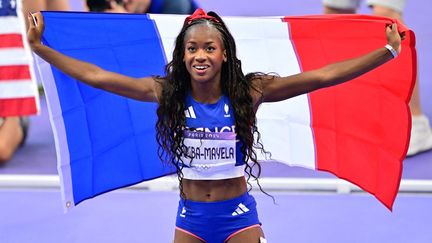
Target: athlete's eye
{"points": [[191, 49], [210, 49]]}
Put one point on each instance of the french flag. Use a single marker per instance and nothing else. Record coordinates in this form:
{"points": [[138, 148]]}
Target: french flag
{"points": [[18, 93], [358, 130]]}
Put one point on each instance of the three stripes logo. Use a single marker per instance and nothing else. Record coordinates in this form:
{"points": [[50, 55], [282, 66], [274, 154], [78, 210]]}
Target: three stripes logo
{"points": [[241, 209], [190, 113]]}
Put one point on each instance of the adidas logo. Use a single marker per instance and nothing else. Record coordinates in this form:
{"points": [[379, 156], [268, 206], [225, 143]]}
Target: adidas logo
{"points": [[190, 113], [226, 109], [241, 209], [183, 213]]}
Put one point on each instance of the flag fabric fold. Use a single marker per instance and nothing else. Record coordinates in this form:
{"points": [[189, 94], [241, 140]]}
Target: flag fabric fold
{"points": [[358, 131], [18, 92]]}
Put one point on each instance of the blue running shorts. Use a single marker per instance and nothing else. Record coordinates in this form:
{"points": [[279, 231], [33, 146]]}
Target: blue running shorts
{"points": [[217, 222]]}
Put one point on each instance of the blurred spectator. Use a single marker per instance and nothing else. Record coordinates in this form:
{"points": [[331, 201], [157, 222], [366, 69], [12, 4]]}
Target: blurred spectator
{"points": [[111, 6], [160, 6], [137, 6], [421, 132], [13, 132], [39, 5]]}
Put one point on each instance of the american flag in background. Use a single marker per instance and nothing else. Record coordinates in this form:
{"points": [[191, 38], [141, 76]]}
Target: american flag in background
{"points": [[18, 93]]}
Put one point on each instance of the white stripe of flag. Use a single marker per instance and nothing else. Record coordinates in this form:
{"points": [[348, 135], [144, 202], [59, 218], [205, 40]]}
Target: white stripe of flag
{"points": [[16, 89], [10, 25]]}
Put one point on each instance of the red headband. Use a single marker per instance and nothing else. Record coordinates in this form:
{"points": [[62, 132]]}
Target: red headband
{"points": [[199, 14]]}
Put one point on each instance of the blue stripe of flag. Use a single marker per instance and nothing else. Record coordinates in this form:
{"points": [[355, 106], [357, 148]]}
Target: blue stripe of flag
{"points": [[111, 139]]}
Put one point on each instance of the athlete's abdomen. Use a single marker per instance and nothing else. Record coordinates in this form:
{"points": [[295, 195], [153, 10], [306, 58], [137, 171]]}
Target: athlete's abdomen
{"points": [[214, 190]]}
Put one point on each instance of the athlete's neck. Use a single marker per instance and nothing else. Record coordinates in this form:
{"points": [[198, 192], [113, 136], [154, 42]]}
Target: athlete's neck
{"points": [[207, 93]]}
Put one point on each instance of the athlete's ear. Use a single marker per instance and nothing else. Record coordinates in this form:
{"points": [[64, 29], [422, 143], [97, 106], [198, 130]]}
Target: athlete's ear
{"points": [[224, 56]]}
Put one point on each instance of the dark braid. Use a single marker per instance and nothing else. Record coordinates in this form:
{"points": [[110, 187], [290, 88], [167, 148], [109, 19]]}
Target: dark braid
{"points": [[234, 84]]}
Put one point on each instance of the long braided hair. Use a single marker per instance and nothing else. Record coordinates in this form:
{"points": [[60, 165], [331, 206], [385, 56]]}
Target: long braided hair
{"points": [[234, 84]]}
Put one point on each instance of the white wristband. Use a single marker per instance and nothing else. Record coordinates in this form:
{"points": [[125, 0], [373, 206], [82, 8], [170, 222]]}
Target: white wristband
{"points": [[392, 50]]}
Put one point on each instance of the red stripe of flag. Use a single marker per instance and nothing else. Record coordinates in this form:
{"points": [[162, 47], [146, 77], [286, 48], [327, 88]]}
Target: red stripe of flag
{"points": [[361, 128], [18, 107], [11, 41], [17, 72]]}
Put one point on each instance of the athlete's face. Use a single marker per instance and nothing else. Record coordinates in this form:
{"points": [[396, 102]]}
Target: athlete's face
{"points": [[204, 53]]}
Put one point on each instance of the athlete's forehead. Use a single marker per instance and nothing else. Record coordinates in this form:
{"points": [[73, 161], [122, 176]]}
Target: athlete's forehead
{"points": [[203, 32]]}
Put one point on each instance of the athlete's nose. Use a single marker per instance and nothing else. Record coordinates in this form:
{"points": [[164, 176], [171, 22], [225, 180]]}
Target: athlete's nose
{"points": [[200, 56]]}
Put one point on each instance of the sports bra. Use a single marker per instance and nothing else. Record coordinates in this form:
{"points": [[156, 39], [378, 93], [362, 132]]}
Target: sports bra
{"points": [[212, 149]]}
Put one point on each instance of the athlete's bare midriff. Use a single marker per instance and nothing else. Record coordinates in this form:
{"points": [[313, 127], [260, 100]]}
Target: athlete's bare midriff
{"points": [[214, 190]]}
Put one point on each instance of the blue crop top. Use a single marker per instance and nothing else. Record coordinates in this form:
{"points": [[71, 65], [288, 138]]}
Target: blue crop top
{"points": [[212, 148]]}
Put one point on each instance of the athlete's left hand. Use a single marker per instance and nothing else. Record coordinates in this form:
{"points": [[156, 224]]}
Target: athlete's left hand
{"points": [[394, 38]]}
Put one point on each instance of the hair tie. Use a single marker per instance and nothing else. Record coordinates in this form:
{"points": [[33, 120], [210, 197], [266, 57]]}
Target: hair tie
{"points": [[200, 14]]}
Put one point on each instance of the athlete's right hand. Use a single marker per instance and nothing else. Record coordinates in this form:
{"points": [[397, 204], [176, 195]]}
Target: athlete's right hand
{"points": [[35, 30]]}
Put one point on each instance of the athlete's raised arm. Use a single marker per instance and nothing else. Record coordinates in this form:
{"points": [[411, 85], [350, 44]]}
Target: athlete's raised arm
{"points": [[144, 89], [280, 88]]}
